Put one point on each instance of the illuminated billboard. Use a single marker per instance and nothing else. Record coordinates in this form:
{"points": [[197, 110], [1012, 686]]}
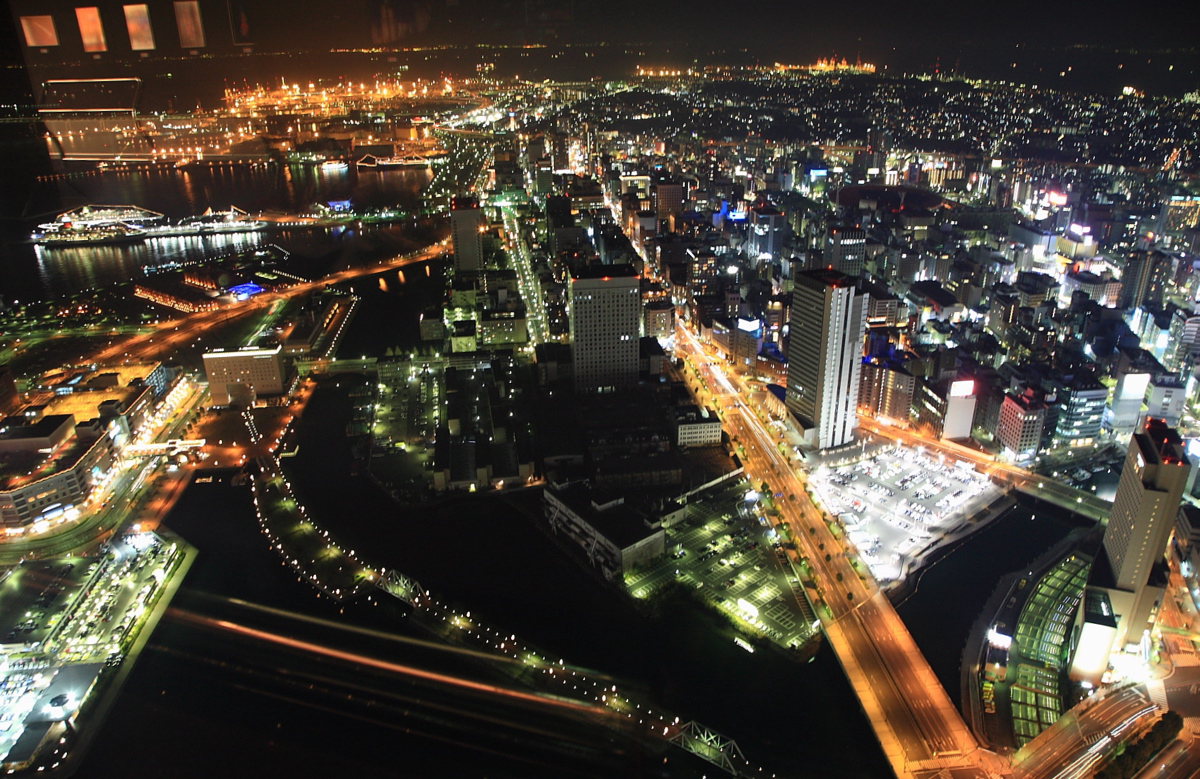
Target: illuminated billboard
{"points": [[963, 388], [1133, 386], [1091, 654]]}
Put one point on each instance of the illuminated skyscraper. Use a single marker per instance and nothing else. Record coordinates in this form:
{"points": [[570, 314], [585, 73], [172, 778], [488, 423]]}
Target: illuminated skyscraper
{"points": [[606, 310], [466, 221], [829, 320], [1144, 509]]}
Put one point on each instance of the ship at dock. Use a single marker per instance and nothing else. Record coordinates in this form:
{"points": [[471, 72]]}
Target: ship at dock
{"points": [[373, 161], [107, 224]]}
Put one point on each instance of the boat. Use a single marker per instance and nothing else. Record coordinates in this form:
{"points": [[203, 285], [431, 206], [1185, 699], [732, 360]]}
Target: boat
{"points": [[90, 236], [334, 165], [372, 161], [95, 216], [95, 225], [235, 220]]}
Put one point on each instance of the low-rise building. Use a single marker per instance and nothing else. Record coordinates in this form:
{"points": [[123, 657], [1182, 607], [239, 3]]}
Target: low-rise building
{"points": [[251, 370], [614, 537], [48, 468], [696, 426]]}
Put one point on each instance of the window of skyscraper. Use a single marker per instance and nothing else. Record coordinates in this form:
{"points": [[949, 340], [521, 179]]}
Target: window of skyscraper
{"points": [[39, 30], [187, 19], [90, 28], [137, 22]]}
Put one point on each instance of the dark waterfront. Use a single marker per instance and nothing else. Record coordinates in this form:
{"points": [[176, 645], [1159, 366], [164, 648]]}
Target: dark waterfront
{"points": [[951, 592]]}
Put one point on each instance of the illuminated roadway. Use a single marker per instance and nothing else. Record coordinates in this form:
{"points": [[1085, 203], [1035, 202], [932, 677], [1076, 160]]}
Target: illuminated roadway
{"points": [[1072, 746], [920, 730], [172, 335], [527, 280], [1041, 486]]}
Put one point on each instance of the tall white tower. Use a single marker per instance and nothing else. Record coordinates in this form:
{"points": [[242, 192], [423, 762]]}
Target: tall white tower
{"points": [[825, 346], [1143, 513]]}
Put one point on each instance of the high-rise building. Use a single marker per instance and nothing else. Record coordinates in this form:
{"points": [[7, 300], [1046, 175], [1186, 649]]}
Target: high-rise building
{"points": [[766, 232], [1021, 423], [466, 222], [1145, 278], [667, 196], [1144, 509], [886, 389], [825, 349], [845, 249], [1082, 401], [946, 408], [606, 312]]}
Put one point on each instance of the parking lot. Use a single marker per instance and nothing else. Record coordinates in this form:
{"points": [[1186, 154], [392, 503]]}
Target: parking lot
{"points": [[73, 612], [727, 550], [899, 502]]}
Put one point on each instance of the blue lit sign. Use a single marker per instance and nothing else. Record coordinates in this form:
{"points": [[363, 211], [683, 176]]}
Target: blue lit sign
{"points": [[339, 205]]}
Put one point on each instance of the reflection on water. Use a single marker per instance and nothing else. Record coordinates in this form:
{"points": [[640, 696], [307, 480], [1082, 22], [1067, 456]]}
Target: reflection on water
{"points": [[38, 271], [71, 268], [259, 186]]}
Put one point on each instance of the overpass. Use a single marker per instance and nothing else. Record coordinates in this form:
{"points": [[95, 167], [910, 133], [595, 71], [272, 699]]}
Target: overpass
{"points": [[163, 447], [1027, 482]]}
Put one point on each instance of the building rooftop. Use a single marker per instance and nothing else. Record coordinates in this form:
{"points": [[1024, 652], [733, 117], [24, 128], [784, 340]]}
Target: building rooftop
{"points": [[1160, 443], [824, 277], [596, 271], [614, 520]]}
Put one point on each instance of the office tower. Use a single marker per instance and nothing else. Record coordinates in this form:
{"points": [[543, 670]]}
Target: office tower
{"points": [[1144, 510], [668, 198], [1082, 400], [1022, 423], [845, 249], [1145, 278], [886, 388], [766, 233], [703, 272], [825, 355], [466, 221], [606, 311]]}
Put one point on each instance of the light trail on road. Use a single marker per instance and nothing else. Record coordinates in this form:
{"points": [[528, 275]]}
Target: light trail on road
{"points": [[917, 725], [382, 665]]}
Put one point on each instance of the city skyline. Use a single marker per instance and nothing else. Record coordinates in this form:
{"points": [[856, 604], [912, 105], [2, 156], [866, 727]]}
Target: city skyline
{"points": [[502, 392]]}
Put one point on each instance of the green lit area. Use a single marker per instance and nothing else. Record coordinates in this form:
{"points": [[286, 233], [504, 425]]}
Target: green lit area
{"points": [[728, 555]]}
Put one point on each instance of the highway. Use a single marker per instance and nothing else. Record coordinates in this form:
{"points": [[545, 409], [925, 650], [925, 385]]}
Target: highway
{"points": [[1181, 760], [172, 336], [1071, 748], [917, 725], [521, 260], [1042, 486]]}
